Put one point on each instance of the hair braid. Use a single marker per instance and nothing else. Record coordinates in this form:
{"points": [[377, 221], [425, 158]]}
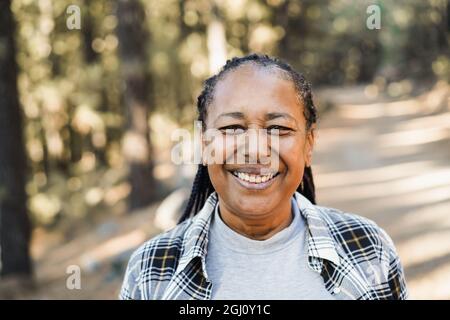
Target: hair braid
{"points": [[307, 187]]}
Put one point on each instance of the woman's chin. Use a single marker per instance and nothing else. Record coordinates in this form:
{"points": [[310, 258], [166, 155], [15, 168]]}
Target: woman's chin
{"points": [[253, 208]]}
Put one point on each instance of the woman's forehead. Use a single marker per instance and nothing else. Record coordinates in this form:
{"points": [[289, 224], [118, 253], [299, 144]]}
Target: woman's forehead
{"points": [[255, 90]]}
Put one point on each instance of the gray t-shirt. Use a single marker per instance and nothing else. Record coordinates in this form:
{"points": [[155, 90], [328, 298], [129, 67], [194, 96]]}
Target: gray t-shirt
{"points": [[276, 268]]}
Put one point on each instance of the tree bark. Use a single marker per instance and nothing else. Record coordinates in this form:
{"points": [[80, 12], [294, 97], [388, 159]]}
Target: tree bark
{"points": [[14, 223], [133, 38]]}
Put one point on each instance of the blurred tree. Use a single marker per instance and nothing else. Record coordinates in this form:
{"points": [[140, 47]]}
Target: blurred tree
{"points": [[413, 35], [88, 30], [83, 98], [133, 38], [14, 223], [217, 53]]}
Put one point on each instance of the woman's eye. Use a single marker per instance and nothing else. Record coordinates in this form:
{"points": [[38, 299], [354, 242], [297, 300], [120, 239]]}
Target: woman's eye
{"points": [[233, 129], [278, 130]]}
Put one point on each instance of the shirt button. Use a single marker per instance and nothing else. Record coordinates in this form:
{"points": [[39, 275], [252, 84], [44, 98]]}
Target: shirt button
{"points": [[336, 290]]}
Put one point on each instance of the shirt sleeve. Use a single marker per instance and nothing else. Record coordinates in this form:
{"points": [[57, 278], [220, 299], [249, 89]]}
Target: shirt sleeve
{"points": [[130, 289], [396, 275], [397, 281]]}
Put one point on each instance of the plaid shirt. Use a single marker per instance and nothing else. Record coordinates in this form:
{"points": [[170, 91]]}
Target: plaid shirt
{"points": [[356, 258]]}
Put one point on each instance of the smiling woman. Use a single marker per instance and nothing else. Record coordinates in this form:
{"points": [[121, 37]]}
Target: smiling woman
{"points": [[252, 229]]}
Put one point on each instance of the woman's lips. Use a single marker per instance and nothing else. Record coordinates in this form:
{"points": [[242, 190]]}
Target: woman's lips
{"points": [[254, 182]]}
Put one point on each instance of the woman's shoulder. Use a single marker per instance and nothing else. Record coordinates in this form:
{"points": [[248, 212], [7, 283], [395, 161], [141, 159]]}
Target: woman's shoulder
{"points": [[353, 228], [159, 245], [153, 261], [362, 242]]}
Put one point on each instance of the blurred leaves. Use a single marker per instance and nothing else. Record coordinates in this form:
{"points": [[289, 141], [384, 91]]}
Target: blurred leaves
{"points": [[70, 84]]}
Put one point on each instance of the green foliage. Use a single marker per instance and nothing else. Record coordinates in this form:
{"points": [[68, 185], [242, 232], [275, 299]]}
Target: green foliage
{"points": [[71, 90]]}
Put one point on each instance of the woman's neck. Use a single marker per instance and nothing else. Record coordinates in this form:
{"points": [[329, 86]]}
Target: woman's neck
{"points": [[261, 228]]}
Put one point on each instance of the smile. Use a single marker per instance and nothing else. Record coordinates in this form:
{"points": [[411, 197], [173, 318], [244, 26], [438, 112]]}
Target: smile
{"points": [[253, 178], [254, 181]]}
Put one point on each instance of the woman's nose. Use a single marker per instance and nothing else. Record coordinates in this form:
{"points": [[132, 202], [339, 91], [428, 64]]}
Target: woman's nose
{"points": [[257, 145]]}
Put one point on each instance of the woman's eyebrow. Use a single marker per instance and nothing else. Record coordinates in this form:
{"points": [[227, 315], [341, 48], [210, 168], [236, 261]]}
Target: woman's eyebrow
{"points": [[236, 115], [268, 116], [274, 115]]}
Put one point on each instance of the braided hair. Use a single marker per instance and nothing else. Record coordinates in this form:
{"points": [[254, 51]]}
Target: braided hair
{"points": [[202, 186]]}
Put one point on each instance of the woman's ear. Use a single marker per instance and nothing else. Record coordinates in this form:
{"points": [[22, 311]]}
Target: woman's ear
{"points": [[309, 145]]}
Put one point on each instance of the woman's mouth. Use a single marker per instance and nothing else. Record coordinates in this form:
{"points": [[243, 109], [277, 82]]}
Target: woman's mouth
{"points": [[254, 181]]}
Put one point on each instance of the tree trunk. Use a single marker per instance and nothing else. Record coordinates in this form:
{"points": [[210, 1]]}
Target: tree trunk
{"points": [[90, 56], [14, 223], [133, 38], [216, 39]]}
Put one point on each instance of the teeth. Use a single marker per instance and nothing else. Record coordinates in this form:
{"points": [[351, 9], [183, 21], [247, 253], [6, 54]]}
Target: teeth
{"points": [[254, 178]]}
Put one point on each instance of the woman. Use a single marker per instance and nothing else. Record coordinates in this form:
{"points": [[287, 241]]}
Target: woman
{"points": [[253, 230]]}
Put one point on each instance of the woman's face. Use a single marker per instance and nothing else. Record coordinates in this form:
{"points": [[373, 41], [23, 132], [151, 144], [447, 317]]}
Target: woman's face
{"points": [[252, 97]]}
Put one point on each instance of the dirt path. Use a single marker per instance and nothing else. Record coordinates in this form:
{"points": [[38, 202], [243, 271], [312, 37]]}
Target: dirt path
{"points": [[390, 162]]}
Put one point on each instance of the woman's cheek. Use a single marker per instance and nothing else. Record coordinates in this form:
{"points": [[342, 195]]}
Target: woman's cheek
{"points": [[291, 152], [229, 149], [217, 149]]}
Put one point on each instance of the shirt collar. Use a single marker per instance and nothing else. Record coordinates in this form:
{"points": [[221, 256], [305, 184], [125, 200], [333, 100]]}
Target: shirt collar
{"points": [[195, 242], [320, 243]]}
